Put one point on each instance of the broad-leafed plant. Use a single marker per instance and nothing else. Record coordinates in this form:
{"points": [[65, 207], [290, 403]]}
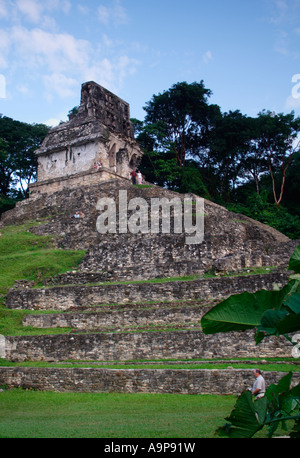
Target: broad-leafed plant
{"points": [[269, 313]]}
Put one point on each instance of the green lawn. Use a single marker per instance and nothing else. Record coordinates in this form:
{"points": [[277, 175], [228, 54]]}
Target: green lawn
{"points": [[31, 414]]}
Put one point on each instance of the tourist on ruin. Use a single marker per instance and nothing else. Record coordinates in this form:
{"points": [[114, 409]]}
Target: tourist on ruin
{"points": [[259, 386], [97, 165], [139, 177], [133, 176]]}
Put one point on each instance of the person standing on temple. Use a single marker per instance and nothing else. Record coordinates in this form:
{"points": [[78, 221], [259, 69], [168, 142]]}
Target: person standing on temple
{"points": [[133, 176]]}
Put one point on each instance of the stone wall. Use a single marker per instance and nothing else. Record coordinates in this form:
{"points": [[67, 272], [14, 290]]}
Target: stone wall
{"points": [[87, 178], [113, 112], [64, 298], [122, 317], [151, 345], [197, 381]]}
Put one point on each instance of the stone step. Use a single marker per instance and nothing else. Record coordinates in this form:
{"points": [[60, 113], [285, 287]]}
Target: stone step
{"points": [[151, 345], [178, 381], [76, 297], [106, 318]]}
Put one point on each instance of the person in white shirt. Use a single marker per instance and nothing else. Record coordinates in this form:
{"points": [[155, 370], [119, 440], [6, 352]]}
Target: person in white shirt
{"points": [[259, 386]]}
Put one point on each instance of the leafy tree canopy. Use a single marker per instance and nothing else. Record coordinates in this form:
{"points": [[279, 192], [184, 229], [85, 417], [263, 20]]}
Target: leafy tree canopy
{"points": [[18, 164]]}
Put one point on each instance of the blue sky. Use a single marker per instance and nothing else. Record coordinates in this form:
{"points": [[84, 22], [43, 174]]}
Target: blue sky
{"points": [[246, 51]]}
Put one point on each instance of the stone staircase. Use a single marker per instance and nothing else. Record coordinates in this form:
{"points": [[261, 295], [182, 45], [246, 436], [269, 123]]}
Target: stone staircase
{"points": [[93, 338]]}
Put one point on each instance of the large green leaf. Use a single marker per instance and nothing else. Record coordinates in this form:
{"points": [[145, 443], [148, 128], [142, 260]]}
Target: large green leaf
{"points": [[243, 311], [293, 302], [246, 418], [295, 434], [278, 322], [291, 323], [268, 324], [294, 263], [282, 386], [283, 402]]}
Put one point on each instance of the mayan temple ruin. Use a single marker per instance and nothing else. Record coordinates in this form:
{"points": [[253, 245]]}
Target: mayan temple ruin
{"points": [[131, 282], [99, 135]]}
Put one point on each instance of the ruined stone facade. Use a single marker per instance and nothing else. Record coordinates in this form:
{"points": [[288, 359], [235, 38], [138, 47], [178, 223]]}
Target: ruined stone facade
{"points": [[99, 131]]}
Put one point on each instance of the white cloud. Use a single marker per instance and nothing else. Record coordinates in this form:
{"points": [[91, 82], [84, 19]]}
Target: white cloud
{"points": [[4, 49], [278, 10], [23, 89], [34, 47], [31, 9], [35, 10], [83, 9], [2, 87], [207, 57], [115, 14], [53, 122], [63, 62], [54, 51], [103, 14], [60, 85], [292, 103], [110, 73], [3, 9]]}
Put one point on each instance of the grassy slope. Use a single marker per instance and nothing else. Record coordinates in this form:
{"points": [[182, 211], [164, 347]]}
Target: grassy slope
{"points": [[24, 255]]}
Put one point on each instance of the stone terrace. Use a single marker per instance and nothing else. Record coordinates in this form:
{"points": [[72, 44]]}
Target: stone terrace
{"points": [[99, 319]]}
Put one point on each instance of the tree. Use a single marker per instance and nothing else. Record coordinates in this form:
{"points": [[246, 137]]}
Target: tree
{"points": [[5, 167], [180, 119], [275, 143], [189, 145], [228, 147], [18, 163], [292, 184]]}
